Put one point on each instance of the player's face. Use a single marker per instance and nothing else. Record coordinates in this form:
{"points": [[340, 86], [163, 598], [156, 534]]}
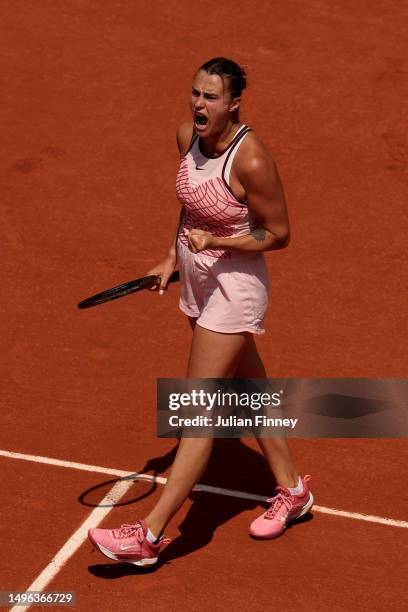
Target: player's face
{"points": [[210, 104]]}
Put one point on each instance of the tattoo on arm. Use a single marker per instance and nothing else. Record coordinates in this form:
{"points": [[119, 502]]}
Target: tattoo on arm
{"points": [[259, 234]]}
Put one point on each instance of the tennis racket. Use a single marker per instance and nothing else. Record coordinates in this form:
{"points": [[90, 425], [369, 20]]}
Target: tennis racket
{"points": [[145, 282]]}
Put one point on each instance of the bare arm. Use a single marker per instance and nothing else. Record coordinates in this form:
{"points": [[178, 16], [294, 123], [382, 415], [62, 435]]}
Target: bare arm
{"points": [[183, 137], [166, 267], [173, 247], [266, 200], [259, 176]]}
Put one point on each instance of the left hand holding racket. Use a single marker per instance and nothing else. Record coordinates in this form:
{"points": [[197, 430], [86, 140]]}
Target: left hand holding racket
{"points": [[145, 282], [164, 269]]}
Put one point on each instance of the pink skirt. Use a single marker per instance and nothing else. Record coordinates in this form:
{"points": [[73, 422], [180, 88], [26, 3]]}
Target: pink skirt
{"points": [[225, 295]]}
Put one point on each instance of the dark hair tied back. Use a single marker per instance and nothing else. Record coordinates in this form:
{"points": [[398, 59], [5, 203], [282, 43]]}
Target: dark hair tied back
{"points": [[229, 70]]}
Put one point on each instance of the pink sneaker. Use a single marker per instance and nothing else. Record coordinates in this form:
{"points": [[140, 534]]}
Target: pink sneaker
{"points": [[284, 509], [128, 544]]}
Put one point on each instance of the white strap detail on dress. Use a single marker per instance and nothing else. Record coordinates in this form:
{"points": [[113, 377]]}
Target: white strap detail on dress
{"points": [[228, 165]]}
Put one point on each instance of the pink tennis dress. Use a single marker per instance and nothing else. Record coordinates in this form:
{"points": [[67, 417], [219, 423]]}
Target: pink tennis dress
{"points": [[226, 290]]}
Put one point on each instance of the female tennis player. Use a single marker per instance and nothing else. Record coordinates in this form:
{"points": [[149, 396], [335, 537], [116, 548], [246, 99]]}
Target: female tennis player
{"points": [[233, 209]]}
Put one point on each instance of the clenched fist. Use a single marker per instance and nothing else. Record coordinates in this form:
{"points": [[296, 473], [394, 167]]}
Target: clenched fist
{"points": [[199, 240]]}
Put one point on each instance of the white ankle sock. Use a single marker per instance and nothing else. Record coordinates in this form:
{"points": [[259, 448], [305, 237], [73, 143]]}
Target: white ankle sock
{"points": [[298, 490], [151, 537]]}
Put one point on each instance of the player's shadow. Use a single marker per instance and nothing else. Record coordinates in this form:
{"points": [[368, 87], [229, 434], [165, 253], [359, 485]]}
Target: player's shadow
{"points": [[233, 465]]}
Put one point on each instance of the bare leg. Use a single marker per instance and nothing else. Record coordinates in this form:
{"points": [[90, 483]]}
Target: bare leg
{"points": [[276, 450], [212, 355]]}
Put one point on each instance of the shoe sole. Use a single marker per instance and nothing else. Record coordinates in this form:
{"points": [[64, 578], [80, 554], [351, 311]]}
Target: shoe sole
{"points": [[111, 555], [304, 511]]}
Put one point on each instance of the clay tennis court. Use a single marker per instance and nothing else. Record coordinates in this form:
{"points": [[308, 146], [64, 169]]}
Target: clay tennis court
{"points": [[93, 93]]}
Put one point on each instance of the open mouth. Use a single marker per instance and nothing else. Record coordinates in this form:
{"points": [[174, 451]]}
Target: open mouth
{"points": [[200, 120]]}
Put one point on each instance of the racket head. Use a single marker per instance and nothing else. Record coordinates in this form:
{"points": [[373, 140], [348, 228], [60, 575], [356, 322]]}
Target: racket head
{"points": [[144, 282]]}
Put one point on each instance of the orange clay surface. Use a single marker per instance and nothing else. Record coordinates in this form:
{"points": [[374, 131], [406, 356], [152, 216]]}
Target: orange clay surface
{"points": [[92, 95]]}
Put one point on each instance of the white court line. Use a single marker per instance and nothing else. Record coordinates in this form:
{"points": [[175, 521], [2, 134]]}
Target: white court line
{"points": [[117, 492], [370, 518], [200, 487], [76, 540]]}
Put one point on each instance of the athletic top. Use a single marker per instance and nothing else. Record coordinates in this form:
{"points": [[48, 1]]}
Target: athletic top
{"points": [[203, 189]]}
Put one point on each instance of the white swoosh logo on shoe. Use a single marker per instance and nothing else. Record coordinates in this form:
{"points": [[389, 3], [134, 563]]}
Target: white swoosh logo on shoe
{"points": [[127, 547]]}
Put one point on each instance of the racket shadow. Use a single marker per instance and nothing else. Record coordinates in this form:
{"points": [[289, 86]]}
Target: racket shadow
{"points": [[233, 465], [143, 488]]}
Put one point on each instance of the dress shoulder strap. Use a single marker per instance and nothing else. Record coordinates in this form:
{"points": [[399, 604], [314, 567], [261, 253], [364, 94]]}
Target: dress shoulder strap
{"points": [[226, 169], [192, 141]]}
